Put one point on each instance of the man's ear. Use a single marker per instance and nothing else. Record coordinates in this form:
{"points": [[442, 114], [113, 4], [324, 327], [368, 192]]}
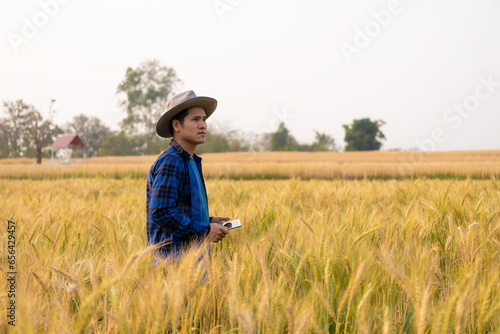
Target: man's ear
{"points": [[176, 124]]}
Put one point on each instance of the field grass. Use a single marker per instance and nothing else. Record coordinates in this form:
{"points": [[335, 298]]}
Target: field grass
{"points": [[281, 165], [324, 256]]}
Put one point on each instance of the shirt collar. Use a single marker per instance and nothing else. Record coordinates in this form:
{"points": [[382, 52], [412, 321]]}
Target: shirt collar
{"points": [[175, 145]]}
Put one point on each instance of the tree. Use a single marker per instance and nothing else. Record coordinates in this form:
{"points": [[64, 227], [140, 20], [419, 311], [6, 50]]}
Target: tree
{"points": [[261, 142], [147, 89], [17, 112], [363, 135], [4, 139], [282, 140], [118, 144], [29, 131], [221, 139], [40, 132], [215, 142], [91, 131], [323, 142]]}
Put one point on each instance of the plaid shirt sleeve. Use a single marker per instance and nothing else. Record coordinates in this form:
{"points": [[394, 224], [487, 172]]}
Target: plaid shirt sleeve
{"points": [[166, 202]]}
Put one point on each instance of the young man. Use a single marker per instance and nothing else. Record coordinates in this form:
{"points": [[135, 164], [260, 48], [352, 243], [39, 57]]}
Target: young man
{"points": [[177, 206]]}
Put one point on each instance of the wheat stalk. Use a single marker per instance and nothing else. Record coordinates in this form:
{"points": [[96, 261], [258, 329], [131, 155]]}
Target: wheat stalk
{"points": [[423, 312]]}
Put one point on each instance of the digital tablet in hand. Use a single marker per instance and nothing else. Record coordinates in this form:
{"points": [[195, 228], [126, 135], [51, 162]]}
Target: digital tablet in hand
{"points": [[232, 224]]}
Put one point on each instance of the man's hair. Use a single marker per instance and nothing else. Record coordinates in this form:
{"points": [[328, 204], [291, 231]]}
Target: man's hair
{"points": [[180, 117]]}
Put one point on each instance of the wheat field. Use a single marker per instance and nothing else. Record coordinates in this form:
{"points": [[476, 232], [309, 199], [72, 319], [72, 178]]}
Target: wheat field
{"points": [[280, 165], [414, 255]]}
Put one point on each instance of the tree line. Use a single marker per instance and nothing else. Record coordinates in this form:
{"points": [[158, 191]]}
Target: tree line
{"points": [[144, 93]]}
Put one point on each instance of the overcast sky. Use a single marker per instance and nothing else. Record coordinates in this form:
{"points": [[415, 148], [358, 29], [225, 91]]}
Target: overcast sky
{"points": [[429, 69]]}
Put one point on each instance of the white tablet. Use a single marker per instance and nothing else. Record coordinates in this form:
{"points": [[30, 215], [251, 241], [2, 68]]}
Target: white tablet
{"points": [[232, 224]]}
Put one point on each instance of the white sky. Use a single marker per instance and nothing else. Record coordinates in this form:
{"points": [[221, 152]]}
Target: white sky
{"points": [[267, 58]]}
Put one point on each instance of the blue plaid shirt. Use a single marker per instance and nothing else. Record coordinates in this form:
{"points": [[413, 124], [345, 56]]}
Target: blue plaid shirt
{"points": [[172, 219]]}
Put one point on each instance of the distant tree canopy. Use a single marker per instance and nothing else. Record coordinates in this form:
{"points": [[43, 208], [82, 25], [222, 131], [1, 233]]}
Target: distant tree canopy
{"points": [[91, 130], [364, 135], [5, 137], [323, 142], [219, 140], [282, 140], [147, 89], [25, 132], [144, 94], [118, 145]]}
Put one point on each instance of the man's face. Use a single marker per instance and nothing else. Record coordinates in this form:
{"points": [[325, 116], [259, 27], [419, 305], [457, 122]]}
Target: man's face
{"points": [[194, 128]]}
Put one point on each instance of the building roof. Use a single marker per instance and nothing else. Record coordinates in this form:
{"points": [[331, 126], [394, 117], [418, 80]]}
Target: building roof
{"points": [[68, 140]]}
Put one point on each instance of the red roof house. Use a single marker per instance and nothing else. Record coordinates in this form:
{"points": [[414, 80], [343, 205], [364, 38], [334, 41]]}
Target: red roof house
{"points": [[68, 141]]}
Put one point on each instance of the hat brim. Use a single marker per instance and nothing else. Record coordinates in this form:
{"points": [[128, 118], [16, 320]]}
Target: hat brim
{"points": [[207, 103]]}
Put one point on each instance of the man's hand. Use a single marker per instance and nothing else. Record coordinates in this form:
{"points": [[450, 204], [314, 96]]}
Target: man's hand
{"points": [[217, 230], [219, 220]]}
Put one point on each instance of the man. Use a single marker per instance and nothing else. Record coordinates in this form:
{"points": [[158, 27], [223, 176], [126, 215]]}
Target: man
{"points": [[177, 206]]}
